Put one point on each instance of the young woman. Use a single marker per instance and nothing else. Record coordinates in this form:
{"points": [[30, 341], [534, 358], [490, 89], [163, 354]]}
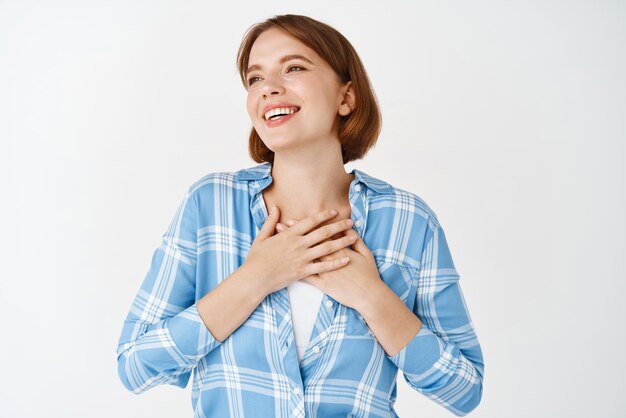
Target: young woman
{"points": [[309, 308]]}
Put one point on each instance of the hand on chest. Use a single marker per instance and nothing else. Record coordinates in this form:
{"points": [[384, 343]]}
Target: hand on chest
{"points": [[287, 215]]}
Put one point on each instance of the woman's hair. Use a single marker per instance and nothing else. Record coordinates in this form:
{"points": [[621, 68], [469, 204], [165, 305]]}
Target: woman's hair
{"points": [[357, 131]]}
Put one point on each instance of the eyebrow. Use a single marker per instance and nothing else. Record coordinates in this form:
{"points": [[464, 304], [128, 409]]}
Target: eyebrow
{"points": [[282, 60]]}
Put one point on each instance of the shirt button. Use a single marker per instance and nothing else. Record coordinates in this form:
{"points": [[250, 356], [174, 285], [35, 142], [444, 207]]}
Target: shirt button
{"points": [[329, 304], [316, 349], [357, 188], [296, 390], [357, 223]]}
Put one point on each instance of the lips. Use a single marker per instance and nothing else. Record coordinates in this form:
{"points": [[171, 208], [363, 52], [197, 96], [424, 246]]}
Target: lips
{"points": [[271, 123], [275, 105]]}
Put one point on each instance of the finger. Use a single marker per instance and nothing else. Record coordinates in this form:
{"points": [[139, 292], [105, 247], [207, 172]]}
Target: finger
{"points": [[324, 266], [359, 245], [330, 247], [280, 227], [342, 252], [309, 223], [267, 230], [328, 232]]}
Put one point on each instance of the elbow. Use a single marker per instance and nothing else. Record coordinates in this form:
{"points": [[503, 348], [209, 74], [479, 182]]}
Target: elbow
{"points": [[471, 401], [473, 391], [124, 374], [139, 375]]}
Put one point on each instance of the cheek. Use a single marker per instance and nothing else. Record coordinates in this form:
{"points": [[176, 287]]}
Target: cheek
{"points": [[325, 98]]}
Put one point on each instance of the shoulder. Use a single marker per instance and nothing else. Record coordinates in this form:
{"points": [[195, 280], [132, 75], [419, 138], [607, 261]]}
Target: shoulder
{"points": [[210, 180], [417, 206], [228, 187], [225, 181], [398, 200], [399, 222]]}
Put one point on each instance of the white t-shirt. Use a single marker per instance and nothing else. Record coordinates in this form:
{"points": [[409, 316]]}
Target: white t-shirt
{"points": [[305, 301]]}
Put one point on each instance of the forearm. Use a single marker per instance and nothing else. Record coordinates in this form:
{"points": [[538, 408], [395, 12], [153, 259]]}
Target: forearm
{"points": [[393, 324], [230, 303]]}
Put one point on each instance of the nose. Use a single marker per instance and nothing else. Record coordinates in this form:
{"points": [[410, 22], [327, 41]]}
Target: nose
{"points": [[272, 85]]}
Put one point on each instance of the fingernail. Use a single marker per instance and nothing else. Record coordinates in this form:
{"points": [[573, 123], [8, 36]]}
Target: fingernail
{"points": [[333, 212]]}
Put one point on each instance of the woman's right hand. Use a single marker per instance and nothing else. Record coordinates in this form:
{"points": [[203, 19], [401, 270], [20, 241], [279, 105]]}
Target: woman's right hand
{"points": [[278, 260]]}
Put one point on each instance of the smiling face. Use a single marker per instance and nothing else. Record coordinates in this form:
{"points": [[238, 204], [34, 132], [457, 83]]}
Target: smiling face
{"points": [[287, 77]]}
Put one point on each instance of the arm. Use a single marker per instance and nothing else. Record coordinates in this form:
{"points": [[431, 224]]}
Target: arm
{"points": [[165, 333], [443, 360], [163, 336], [231, 303]]}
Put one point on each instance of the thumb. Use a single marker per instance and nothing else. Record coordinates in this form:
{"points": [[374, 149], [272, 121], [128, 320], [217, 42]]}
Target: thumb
{"points": [[360, 247], [270, 222]]}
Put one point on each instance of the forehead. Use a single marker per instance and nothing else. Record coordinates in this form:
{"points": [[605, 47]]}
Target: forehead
{"points": [[275, 43]]}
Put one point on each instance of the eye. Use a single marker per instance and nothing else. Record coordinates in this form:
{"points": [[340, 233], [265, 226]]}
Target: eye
{"points": [[252, 80], [296, 66]]}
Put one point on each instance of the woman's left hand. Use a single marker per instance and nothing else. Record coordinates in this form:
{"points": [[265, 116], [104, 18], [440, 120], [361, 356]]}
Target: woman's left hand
{"points": [[353, 284]]}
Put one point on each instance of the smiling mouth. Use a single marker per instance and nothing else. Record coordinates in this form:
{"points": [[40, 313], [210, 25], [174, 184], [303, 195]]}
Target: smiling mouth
{"points": [[279, 113]]}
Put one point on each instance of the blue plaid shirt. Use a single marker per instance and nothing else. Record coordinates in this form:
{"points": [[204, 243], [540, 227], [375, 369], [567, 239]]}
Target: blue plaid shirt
{"points": [[344, 371]]}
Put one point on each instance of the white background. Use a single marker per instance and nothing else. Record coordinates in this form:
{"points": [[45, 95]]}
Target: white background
{"points": [[507, 118]]}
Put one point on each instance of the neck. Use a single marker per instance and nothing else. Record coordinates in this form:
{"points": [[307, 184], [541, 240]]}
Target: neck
{"points": [[302, 186]]}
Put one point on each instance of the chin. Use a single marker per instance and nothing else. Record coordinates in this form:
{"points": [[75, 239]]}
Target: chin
{"points": [[274, 144]]}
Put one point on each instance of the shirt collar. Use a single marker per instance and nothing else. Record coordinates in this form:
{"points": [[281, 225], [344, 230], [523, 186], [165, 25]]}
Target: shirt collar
{"points": [[262, 174]]}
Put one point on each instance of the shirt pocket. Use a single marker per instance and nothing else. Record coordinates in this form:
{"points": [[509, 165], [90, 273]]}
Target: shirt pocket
{"points": [[399, 278]]}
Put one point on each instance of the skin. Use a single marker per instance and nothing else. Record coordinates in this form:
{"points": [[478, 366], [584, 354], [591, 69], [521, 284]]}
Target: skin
{"points": [[308, 170], [309, 180]]}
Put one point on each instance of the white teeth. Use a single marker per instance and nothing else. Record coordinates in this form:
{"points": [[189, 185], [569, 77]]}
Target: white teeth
{"points": [[280, 111]]}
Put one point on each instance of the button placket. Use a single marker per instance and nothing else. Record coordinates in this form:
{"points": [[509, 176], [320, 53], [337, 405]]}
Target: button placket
{"points": [[356, 197]]}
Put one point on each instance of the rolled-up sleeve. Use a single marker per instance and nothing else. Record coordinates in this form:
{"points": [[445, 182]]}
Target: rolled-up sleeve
{"points": [[163, 336], [444, 361]]}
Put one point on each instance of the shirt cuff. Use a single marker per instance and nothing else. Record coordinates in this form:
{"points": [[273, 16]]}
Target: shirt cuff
{"points": [[190, 335], [420, 354]]}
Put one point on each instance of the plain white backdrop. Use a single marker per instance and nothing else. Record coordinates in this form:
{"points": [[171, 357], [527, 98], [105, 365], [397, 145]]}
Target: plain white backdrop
{"points": [[507, 118]]}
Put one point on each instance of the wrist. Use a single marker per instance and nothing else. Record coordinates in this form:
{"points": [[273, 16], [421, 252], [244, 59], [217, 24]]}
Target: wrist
{"points": [[252, 283], [370, 303]]}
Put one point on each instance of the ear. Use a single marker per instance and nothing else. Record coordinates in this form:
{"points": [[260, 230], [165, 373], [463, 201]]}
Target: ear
{"points": [[348, 99]]}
